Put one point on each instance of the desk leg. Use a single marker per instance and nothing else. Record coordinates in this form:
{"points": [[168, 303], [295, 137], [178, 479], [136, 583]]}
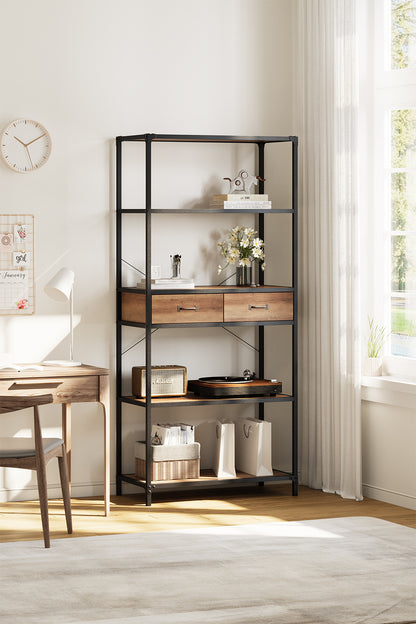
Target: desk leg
{"points": [[104, 399], [66, 434]]}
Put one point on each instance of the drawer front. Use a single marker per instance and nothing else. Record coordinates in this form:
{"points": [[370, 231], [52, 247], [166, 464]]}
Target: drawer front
{"points": [[203, 308], [192, 308], [63, 389], [133, 307], [258, 307]]}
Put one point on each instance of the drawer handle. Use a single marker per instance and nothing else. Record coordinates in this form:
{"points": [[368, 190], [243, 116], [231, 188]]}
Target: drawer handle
{"points": [[194, 308], [260, 307]]}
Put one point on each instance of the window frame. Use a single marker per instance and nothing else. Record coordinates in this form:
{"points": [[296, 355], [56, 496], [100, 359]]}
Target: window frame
{"points": [[382, 90]]}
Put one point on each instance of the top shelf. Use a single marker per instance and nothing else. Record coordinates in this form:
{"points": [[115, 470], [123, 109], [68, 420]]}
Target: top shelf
{"points": [[205, 138]]}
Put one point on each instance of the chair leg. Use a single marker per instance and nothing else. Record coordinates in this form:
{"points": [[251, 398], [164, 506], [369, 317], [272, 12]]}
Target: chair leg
{"points": [[41, 478], [63, 473], [43, 500]]}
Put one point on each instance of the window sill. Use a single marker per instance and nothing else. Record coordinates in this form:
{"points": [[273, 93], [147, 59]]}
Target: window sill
{"points": [[390, 390]]}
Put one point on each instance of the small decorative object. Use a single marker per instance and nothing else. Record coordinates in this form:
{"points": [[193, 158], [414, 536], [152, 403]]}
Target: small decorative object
{"points": [[176, 266], [243, 182], [242, 247], [377, 338]]}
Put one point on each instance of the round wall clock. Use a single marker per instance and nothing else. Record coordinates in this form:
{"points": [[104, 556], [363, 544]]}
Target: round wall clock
{"points": [[25, 145]]}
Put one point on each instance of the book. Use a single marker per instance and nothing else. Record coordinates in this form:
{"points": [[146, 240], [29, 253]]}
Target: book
{"points": [[219, 199], [168, 282], [21, 367], [245, 205]]}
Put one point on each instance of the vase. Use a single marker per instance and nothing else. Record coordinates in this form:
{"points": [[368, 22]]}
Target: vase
{"points": [[243, 275], [373, 366]]}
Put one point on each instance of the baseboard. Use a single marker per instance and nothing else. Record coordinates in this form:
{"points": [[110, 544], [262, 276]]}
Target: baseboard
{"points": [[388, 496], [78, 490]]}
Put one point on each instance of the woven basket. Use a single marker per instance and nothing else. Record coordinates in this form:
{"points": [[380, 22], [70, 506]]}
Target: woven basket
{"points": [[168, 470]]}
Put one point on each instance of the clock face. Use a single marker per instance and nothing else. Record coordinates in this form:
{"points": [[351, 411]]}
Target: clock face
{"points": [[25, 145]]}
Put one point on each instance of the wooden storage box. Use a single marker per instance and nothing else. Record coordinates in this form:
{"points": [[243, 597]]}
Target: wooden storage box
{"points": [[173, 462]]}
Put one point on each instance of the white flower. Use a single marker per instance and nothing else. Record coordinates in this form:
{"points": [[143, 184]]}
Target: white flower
{"points": [[244, 262]]}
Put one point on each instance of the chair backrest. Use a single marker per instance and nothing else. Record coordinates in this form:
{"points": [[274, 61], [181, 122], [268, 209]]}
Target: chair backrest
{"points": [[14, 402]]}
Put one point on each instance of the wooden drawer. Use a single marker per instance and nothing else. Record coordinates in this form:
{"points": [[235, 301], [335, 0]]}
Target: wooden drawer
{"points": [[258, 306], [63, 389], [192, 308]]}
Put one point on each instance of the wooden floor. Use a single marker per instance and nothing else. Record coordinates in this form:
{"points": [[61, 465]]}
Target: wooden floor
{"points": [[21, 520]]}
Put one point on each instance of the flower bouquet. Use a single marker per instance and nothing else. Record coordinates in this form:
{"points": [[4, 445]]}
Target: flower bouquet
{"points": [[242, 247]]}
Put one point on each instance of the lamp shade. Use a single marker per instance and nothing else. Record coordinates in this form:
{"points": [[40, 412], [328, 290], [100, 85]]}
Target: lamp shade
{"points": [[60, 286], [60, 289]]}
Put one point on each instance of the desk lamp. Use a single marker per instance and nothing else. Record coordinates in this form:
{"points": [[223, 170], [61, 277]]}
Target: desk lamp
{"points": [[60, 289]]}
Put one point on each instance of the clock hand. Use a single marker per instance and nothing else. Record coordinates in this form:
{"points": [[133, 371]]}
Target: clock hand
{"points": [[17, 139], [28, 153], [33, 140]]}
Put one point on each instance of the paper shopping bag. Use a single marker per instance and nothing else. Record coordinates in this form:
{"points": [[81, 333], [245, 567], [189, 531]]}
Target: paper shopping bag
{"points": [[253, 446], [224, 466]]}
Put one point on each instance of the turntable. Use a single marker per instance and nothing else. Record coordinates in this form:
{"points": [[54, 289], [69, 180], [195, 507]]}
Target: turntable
{"points": [[234, 386]]}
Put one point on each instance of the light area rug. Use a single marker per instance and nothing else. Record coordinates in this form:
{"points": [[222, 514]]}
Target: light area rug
{"points": [[343, 570]]}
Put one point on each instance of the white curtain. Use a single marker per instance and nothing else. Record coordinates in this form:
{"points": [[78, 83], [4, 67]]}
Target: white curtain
{"points": [[329, 350]]}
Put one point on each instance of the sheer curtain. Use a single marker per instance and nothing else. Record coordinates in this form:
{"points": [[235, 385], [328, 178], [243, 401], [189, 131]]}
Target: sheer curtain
{"points": [[329, 352]]}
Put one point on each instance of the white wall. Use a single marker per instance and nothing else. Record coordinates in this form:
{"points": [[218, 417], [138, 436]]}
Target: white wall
{"points": [[389, 468], [93, 69]]}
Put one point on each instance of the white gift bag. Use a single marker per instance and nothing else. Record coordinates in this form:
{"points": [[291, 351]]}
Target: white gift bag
{"points": [[253, 446], [224, 466]]}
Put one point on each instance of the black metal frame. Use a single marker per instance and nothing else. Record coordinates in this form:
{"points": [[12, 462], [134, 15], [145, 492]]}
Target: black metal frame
{"points": [[148, 404]]}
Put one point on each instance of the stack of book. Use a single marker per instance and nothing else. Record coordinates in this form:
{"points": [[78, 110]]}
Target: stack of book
{"points": [[168, 282], [170, 435], [240, 200]]}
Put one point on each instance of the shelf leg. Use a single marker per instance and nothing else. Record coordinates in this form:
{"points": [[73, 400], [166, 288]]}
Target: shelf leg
{"points": [[148, 496]]}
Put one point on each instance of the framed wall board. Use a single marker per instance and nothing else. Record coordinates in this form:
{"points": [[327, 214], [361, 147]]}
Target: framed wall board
{"points": [[17, 289]]}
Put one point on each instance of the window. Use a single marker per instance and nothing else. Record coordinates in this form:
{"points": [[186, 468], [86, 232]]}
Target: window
{"points": [[402, 176], [391, 296]]}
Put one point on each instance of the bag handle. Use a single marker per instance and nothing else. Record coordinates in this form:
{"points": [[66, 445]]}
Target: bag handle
{"points": [[247, 429]]}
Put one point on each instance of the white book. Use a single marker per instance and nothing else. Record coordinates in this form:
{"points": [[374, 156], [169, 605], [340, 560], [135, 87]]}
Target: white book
{"points": [[21, 367], [219, 199], [248, 205], [168, 283]]}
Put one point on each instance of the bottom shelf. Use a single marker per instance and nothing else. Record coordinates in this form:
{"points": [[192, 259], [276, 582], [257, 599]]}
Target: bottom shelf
{"points": [[209, 479]]}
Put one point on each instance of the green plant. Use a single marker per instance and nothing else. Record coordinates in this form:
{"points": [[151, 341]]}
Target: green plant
{"points": [[377, 338]]}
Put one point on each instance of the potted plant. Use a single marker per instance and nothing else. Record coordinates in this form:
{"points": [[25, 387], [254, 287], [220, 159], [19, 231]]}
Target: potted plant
{"points": [[377, 338], [242, 247]]}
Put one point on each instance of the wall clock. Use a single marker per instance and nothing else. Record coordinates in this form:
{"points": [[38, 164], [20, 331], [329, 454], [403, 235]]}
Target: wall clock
{"points": [[25, 145]]}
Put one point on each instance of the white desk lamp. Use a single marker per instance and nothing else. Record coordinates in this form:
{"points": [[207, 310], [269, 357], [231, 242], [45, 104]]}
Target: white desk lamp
{"points": [[60, 289]]}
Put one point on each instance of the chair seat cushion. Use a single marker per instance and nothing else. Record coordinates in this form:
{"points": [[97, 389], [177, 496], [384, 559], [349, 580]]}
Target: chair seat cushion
{"points": [[25, 447]]}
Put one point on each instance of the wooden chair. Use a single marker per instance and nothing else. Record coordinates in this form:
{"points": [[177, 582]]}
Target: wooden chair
{"points": [[34, 454]]}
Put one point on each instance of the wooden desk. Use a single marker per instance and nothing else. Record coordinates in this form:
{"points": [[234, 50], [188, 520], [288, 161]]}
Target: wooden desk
{"points": [[73, 384]]}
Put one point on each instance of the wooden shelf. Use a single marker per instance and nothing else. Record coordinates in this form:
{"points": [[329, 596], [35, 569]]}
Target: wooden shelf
{"points": [[212, 289], [208, 478], [193, 399]]}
